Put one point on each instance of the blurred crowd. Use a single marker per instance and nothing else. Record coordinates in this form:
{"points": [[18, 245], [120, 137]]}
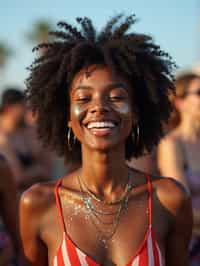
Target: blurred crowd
{"points": [[177, 154], [24, 161]]}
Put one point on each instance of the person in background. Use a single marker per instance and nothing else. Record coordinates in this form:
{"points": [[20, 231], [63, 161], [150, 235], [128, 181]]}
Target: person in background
{"points": [[15, 142], [179, 151], [54, 164], [43, 154], [146, 163], [93, 92], [8, 213]]}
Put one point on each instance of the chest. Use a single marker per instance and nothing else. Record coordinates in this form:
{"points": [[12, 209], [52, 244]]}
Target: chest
{"points": [[130, 234]]}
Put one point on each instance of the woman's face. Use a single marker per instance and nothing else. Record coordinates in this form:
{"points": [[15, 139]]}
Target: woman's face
{"points": [[190, 104], [101, 113]]}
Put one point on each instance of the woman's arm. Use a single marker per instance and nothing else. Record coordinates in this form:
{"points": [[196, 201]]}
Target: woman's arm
{"points": [[34, 251], [9, 201], [175, 198], [178, 240]]}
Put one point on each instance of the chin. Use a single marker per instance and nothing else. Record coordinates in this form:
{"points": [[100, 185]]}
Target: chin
{"points": [[105, 146]]}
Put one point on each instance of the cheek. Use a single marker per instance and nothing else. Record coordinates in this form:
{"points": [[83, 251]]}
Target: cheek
{"points": [[76, 111], [193, 105], [123, 109], [76, 114], [125, 112]]}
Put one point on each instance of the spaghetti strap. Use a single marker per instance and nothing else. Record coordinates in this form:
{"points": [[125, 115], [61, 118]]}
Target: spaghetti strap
{"points": [[149, 186], [58, 204]]}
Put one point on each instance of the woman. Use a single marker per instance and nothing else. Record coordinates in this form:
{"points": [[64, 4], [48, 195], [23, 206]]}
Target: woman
{"points": [[18, 143], [179, 152], [101, 99], [8, 214]]}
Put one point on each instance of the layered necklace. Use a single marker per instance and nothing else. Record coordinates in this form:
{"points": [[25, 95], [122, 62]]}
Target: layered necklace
{"points": [[107, 217]]}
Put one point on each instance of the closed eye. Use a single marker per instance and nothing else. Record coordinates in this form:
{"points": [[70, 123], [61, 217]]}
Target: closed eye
{"points": [[116, 98], [83, 99]]}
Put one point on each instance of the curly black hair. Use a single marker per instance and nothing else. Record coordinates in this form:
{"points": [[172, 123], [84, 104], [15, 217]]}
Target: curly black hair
{"points": [[133, 55]]}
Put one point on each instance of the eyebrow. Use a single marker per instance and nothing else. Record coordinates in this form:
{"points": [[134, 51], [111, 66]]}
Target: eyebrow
{"points": [[109, 86]]}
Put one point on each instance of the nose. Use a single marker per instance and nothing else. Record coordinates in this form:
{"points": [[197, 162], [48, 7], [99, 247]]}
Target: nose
{"points": [[99, 106]]}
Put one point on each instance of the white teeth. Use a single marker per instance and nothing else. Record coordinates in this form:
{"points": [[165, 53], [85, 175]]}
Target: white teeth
{"points": [[100, 125]]}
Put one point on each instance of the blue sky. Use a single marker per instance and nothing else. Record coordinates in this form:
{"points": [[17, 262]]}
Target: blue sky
{"points": [[174, 24]]}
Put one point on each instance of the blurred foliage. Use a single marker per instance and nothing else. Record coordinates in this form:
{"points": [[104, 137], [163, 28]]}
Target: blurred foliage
{"points": [[39, 31], [5, 53]]}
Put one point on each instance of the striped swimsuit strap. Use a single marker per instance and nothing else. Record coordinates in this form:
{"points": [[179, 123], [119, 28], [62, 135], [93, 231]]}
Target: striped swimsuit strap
{"points": [[69, 254]]}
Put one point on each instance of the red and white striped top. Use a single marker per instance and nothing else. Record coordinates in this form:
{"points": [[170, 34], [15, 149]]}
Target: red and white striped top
{"points": [[69, 254]]}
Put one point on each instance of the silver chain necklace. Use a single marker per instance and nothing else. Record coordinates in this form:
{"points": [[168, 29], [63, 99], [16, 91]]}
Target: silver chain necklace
{"points": [[97, 215], [106, 202]]}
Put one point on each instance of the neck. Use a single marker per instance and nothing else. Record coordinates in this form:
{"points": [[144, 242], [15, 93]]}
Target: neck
{"points": [[104, 173], [190, 128]]}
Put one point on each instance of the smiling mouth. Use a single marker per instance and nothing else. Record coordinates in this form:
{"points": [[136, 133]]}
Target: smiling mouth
{"points": [[102, 124], [101, 128]]}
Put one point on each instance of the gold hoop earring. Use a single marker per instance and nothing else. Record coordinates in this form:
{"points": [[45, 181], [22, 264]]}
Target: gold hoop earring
{"points": [[135, 135], [69, 143]]}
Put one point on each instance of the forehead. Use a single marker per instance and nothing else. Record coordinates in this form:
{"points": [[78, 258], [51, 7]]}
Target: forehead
{"points": [[96, 77]]}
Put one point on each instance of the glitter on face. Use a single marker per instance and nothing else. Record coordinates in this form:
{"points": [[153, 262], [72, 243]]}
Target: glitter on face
{"points": [[77, 110], [99, 87]]}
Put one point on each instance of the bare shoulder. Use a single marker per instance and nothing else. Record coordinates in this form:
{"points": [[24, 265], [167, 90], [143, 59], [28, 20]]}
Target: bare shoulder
{"points": [[38, 197], [41, 196], [171, 193]]}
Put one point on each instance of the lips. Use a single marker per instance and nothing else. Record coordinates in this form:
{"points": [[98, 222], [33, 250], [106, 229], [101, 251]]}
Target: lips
{"points": [[101, 128], [102, 124]]}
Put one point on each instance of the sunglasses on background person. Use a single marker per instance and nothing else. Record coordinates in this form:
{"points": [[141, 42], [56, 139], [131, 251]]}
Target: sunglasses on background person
{"points": [[196, 92]]}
